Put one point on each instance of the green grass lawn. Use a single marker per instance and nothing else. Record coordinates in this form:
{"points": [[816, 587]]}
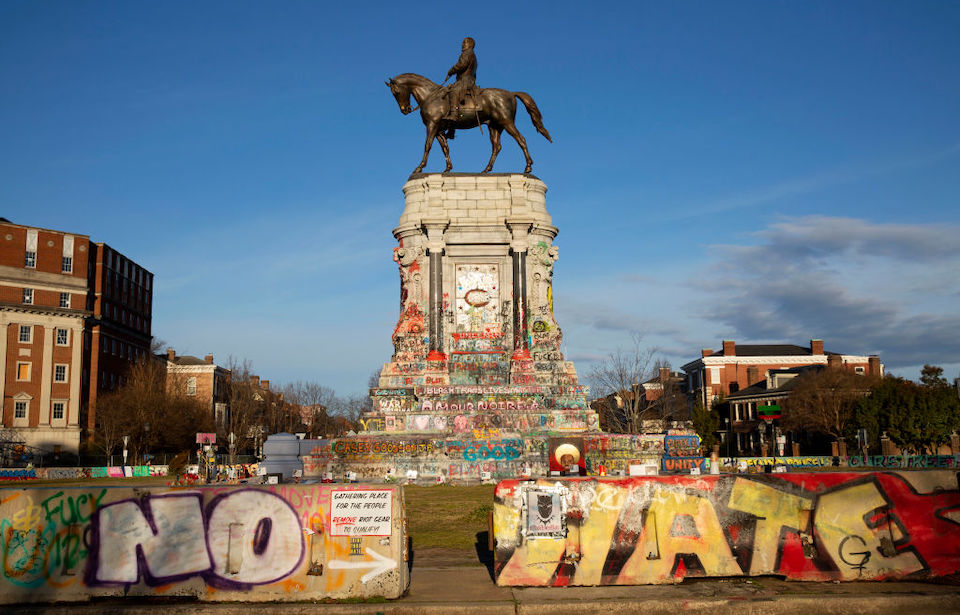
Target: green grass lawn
{"points": [[447, 517]]}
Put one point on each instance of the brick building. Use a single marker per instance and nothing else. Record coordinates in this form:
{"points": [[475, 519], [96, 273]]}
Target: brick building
{"points": [[200, 378], [120, 302], [74, 314], [43, 298], [738, 367], [752, 375]]}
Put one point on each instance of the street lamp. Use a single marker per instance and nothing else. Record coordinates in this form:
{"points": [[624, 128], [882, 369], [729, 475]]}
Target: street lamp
{"points": [[233, 440], [126, 439]]}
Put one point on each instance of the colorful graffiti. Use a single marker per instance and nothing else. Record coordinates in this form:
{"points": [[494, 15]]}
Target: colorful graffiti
{"points": [[18, 474], [477, 381], [13, 474], [471, 454], [216, 543], [647, 530]]}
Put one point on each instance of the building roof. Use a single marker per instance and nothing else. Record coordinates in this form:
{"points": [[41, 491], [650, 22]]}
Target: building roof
{"points": [[769, 350], [760, 389], [188, 360]]}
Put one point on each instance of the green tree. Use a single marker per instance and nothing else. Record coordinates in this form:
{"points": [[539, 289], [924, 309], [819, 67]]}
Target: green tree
{"points": [[705, 423], [917, 418], [932, 376]]}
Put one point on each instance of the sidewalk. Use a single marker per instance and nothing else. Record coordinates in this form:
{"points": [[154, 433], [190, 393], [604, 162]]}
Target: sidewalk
{"points": [[439, 587]]}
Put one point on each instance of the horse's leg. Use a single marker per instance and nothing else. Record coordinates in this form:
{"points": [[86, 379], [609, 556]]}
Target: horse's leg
{"points": [[446, 150], [494, 145], [431, 135], [512, 130]]}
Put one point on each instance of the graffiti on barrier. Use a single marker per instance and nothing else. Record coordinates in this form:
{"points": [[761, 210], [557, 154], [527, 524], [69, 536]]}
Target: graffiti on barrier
{"points": [[217, 543], [827, 526]]}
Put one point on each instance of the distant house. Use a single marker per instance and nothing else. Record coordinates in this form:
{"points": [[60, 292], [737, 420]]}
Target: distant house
{"points": [[200, 378], [744, 426], [748, 376], [661, 404]]}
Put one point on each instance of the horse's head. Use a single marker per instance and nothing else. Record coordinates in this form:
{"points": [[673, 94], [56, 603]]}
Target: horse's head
{"points": [[401, 94]]}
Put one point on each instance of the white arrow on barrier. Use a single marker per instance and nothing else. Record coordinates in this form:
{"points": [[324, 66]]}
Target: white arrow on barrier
{"points": [[381, 565]]}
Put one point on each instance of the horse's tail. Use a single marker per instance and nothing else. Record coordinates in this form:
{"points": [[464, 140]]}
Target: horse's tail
{"points": [[534, 112]]}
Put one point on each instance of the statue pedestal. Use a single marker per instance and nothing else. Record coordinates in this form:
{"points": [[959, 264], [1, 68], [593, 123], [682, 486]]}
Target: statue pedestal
{"points": [[477, 346]]}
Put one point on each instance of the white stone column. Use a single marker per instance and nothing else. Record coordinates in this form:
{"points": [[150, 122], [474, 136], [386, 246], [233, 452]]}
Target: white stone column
{"points": [[435, 245], [46, 377], [76, 375], [519, 230]]}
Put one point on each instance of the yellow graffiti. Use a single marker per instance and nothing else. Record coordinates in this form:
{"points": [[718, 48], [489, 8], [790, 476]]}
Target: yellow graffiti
{"points": [[654, 561], [856, 548], [597, 529], [534, 564], [774, 510], [29, 517]]}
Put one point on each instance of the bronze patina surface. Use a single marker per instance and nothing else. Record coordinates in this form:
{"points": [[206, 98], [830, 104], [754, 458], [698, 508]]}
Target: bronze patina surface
{"points": [[462, 106]]}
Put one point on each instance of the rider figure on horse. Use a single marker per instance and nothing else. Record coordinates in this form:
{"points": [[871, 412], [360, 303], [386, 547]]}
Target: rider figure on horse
{"points": [[466, 71]]}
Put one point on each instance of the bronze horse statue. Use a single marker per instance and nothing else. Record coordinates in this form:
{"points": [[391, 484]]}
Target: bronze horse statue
{"points": [[495, 107]]}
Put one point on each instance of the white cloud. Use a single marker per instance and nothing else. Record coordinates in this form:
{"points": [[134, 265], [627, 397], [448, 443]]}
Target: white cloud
{"points": [[851, 282]]}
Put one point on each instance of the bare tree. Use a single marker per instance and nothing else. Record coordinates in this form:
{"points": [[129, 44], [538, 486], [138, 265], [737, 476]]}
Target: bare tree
{"points": [[154, 414], [245, 417], [312, 401], [825, 401], [620, 379], [670, 402]]}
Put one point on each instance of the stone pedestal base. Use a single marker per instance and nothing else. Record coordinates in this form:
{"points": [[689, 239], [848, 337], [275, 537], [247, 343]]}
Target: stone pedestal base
{"points": [[476, 345]]}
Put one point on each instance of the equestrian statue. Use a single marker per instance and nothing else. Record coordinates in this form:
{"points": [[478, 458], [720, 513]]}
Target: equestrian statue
{"points": [[463, 105]]}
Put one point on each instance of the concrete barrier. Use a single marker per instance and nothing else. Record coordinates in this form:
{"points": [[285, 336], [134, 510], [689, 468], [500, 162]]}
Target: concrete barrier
{"points": [[648, 530], [269, 543]]}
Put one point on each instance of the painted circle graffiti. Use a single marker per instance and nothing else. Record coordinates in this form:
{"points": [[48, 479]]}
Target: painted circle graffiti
{"points": [[567, 450], [477, 297], [265, 529]]}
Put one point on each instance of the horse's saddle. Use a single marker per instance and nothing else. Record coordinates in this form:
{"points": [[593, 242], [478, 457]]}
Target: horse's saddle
{"points": [[464, 104]]}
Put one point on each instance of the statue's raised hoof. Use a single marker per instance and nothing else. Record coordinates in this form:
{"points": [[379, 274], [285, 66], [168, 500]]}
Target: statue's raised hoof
{"points": [[487, 170], [527, 170]]}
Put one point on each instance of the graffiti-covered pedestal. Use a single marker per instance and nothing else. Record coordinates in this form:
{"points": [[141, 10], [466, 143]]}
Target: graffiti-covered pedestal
{"points": [[478, 355]]}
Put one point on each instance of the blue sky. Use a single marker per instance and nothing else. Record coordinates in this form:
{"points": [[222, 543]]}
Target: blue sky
{"points": [[758, 171]]}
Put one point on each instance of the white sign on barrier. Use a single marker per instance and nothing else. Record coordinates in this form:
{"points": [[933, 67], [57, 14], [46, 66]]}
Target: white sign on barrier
{"points": [[361, 512]]}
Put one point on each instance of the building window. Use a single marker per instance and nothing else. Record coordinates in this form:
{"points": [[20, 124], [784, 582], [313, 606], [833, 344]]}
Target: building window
{"points": [[28, 296], [63, 337], [58, 408], [64, 300], [66, 264], [60, 373], [860, 370], [26, 334], [23, 372], [191, 386], [19, 409], [30, 259]]}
